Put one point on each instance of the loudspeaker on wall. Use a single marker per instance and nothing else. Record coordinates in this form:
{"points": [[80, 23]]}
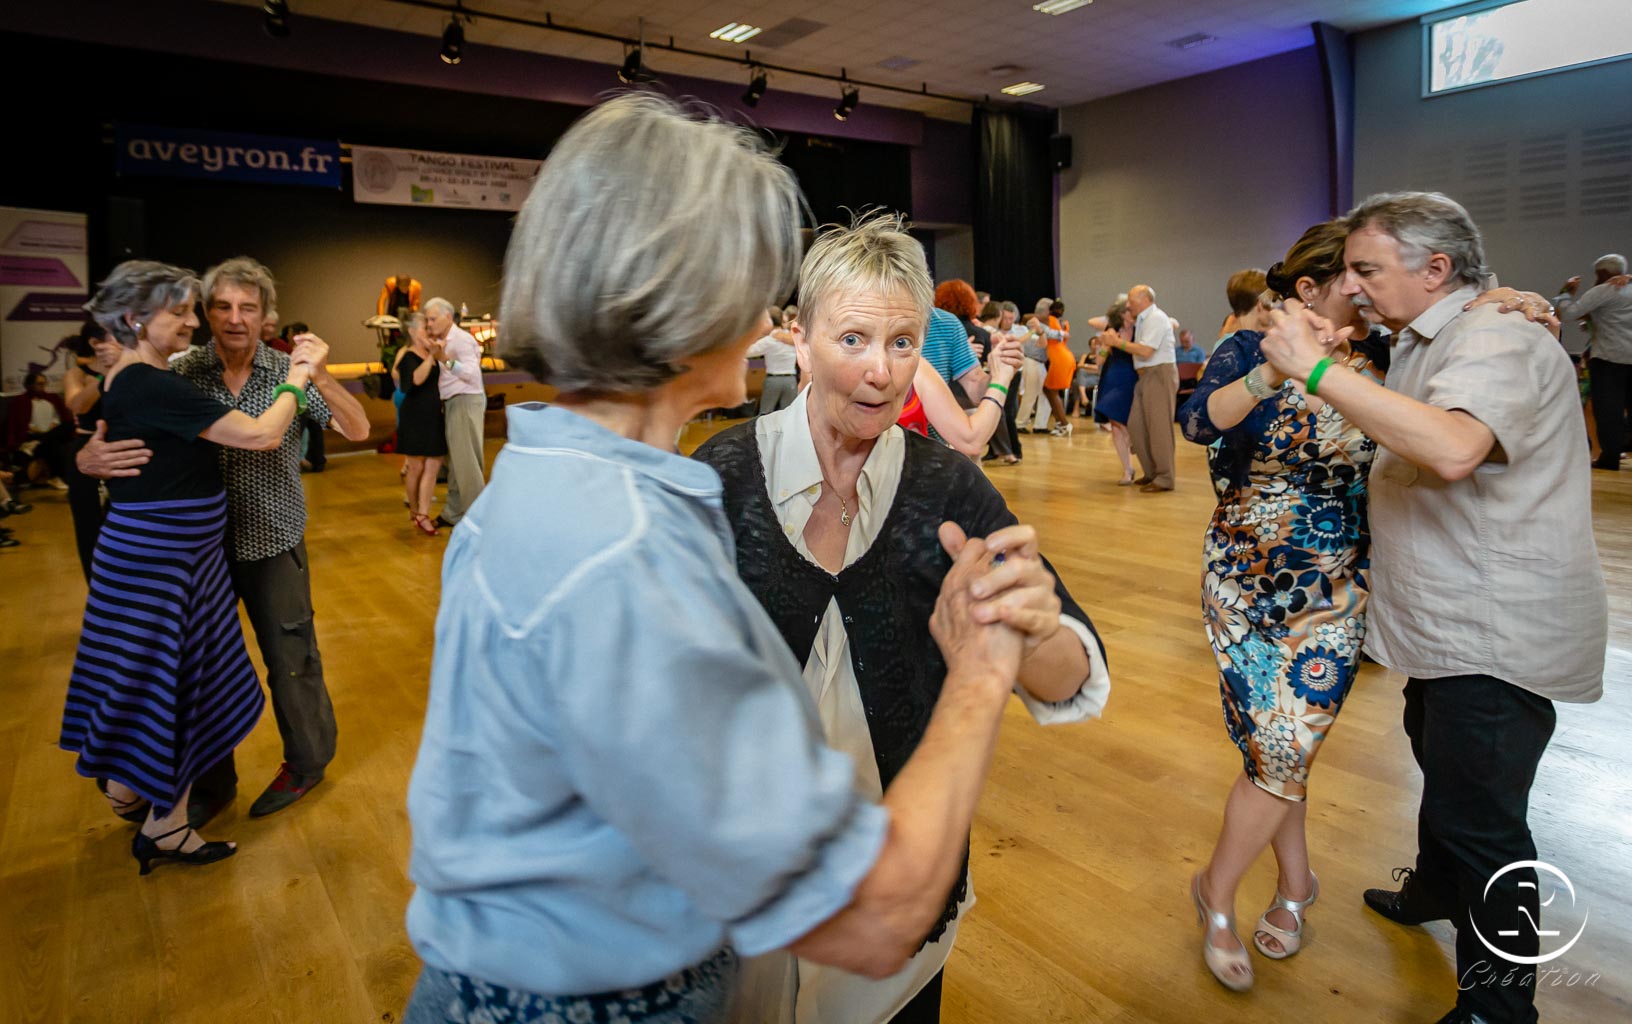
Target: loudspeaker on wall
{"points": [[1059, 151]]}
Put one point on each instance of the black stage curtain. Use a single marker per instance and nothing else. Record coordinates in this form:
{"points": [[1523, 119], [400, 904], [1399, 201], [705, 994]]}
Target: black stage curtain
{"points": [[1014, 205], [1337, 76]]}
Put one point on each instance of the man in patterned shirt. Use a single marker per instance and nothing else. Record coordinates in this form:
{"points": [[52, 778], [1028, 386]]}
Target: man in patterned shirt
{"points": [[266, 523]]}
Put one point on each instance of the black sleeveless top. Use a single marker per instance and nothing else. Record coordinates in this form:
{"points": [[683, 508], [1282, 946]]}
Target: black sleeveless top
{"points": [[86, 421], [886, 596]]}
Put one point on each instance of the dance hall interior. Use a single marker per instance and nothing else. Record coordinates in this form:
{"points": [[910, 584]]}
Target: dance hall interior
{"points": [[715, 512]]}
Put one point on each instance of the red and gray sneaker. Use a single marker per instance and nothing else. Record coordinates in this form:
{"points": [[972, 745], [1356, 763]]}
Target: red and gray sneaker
{"points": [[284, 790]]}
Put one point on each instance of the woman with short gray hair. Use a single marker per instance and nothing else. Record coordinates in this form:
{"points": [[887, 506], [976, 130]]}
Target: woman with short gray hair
{"points": [[162, 686], [621, 784], [835, 511]]}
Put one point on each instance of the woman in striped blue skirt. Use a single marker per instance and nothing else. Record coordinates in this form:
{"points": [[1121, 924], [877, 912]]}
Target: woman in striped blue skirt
{"points": [[162, 685]]}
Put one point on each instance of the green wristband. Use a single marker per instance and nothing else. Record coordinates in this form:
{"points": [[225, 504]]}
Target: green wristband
{"points": [[1313, 383], [1000, 387], [299, 393]]}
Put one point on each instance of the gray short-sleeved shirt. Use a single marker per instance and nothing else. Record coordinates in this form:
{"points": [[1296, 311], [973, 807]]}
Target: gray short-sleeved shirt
{"points": [[1611, 311], [1495, 574]]}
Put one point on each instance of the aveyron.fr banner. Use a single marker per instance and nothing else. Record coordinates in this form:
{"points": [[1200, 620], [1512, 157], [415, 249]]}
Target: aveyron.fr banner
{"points": [[189, 153]]}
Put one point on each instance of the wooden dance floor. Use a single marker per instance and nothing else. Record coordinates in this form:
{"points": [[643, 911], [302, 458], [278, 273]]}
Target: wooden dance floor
{"points": [[1085, 843]]}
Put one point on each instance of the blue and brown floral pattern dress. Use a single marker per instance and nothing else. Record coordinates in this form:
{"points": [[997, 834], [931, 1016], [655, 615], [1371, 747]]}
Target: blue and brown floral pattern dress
{"points": [[1284, 589]]}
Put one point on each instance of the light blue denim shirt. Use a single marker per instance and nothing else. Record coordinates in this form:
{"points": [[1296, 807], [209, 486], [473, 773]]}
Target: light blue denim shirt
{"points": [[621, 771]]}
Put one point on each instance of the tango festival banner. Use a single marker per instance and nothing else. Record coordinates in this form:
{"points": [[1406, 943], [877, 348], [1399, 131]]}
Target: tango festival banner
{"points": [[411, 177]]}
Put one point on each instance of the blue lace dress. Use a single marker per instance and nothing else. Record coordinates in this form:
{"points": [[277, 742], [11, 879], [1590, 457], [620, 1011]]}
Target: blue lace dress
{"points": [[1284, 589], [1113, 403]]}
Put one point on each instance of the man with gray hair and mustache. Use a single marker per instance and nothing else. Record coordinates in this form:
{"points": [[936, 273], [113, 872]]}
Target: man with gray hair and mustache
{"points": [[464, 403], [1609, 304], [1487, 592]]}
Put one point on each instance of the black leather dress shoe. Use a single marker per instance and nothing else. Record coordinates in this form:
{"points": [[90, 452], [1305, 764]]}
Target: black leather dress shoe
{"points": [[1461, 1016], [1408, 904], [285, 789]]}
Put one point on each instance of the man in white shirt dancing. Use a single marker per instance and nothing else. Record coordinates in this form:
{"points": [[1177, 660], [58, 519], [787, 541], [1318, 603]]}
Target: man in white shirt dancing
{"points": [[464, 403], [1155, 397]]}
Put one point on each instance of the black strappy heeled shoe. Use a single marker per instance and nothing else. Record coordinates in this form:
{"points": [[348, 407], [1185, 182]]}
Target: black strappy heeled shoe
{"points": [[148, 852], [134, 811]]}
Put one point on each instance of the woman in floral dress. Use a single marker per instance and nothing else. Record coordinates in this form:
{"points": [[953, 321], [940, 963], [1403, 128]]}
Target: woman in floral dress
{"points": [[1284, 594]]}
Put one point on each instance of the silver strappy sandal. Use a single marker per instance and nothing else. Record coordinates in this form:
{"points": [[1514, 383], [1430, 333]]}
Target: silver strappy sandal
{"points": [[1232, 967], [1291, 941]]}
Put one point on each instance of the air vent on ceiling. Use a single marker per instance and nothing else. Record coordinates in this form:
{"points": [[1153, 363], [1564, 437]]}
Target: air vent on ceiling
{"points": [[899, 63], [790, 31], [1190, 42]]}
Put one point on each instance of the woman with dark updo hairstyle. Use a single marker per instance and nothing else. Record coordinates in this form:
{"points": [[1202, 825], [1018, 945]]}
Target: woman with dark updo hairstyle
{"points": [[1284, 588], [94, 351], [1113, 403]]}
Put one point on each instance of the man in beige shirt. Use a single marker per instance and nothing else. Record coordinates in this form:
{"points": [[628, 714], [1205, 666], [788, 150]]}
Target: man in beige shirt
{"points": [[1486, 587]]}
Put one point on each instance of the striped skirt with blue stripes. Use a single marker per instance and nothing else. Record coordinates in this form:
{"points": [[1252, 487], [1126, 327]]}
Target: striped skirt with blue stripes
{"points": [[162, 686]]}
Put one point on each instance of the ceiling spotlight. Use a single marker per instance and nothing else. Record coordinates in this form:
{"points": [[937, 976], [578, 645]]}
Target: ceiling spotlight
{"points": [[453, 41], [756, 89], [634, 71], [847, 104], [1022, 88], [276, 22]]}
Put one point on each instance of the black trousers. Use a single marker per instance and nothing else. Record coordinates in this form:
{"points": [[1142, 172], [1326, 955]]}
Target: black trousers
{"points": [[56, 449], [925, 1007], [1478, 740], [277, 595], [315, 453], [1011, 413], [1611, 407], [85, 505]]}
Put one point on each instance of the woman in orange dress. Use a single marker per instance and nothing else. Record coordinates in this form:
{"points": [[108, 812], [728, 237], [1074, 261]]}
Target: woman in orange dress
{"points": [[1062, 366]]}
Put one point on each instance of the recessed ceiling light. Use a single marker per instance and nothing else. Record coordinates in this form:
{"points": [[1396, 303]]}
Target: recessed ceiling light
{"points": [[1190, 42], [734, 33], [1023, 88], [1060, 6]]}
